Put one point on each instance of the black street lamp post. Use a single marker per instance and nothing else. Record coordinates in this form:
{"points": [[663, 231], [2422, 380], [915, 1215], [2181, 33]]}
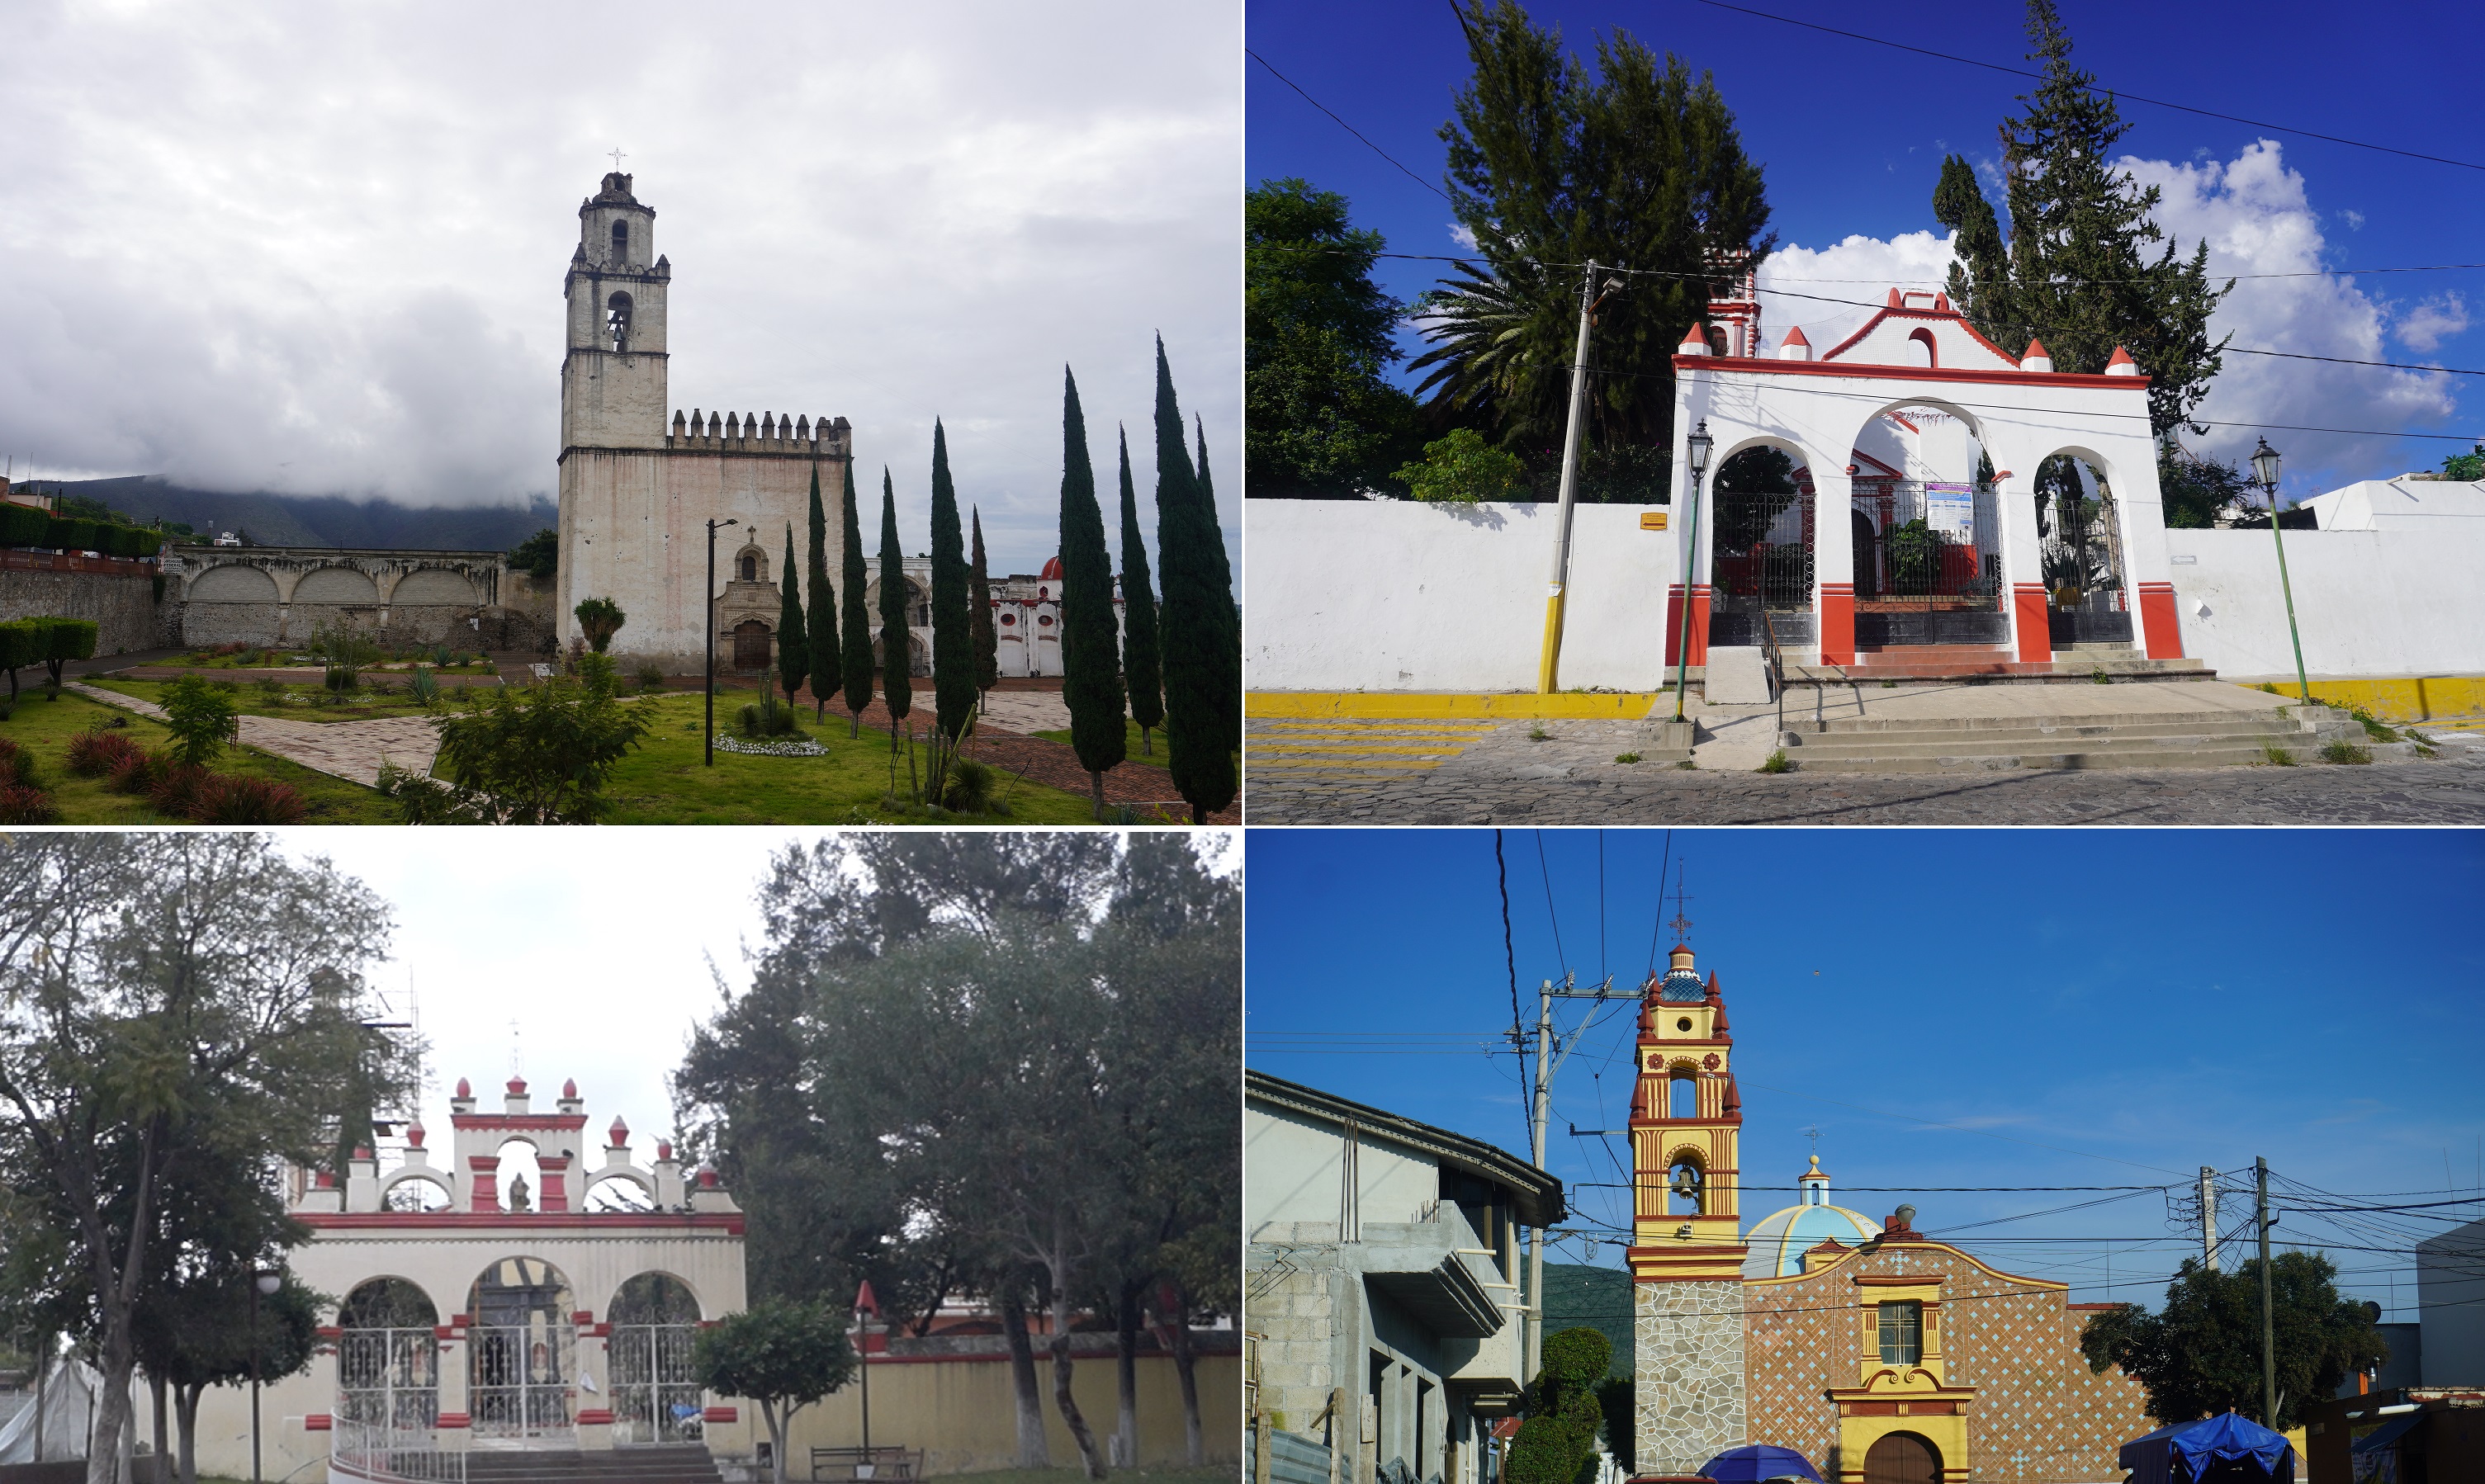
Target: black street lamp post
{"points": [[264, 1281], [2264, 463], [713, 526], [1698, 444]]}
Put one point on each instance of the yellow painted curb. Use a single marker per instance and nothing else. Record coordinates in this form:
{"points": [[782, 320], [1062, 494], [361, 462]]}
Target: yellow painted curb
{"points": [[2415, 698], [1626, 706]]}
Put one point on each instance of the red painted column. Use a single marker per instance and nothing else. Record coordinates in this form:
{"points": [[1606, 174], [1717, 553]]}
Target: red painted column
{"points": [[1673, 624], [486, 1169], [1838, 623], [2035, 629], [2162, 630]]}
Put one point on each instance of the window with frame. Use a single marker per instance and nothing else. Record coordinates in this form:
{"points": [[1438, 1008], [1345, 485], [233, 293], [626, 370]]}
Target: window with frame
{"points": [[1902, 1332]]}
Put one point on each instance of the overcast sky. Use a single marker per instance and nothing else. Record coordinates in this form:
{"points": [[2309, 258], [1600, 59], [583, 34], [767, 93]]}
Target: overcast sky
{"points": [[318, 249], [570, 954]]}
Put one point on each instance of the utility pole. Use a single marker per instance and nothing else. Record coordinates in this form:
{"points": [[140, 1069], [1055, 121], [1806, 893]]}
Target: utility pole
{"points": [[1549, 668], [2208, 1219], [1539, 1114], [2268, 1323]]}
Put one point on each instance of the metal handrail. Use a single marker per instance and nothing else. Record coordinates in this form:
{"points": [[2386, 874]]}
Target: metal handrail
{"points": [[1774, 660]]}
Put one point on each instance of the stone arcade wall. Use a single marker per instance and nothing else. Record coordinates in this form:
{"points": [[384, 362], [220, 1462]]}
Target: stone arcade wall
{"points": [[123, 606], [283, 595], [1687, 1376]]}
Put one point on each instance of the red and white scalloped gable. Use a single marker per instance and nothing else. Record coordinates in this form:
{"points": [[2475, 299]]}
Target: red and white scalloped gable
{"points": [[1914, 325]]}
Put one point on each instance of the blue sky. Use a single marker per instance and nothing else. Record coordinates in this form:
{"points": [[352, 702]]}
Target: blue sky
{"points": [[2083, 1010], [1851, 137]]}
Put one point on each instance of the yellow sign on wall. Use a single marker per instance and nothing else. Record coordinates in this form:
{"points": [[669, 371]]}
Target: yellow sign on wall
{"points": [[1651, 520]]}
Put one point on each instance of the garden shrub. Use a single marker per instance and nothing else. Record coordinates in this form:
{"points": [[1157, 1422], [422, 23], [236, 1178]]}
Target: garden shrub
{"points": [[203, 719], [424, 687], [970, 787], [98, 754], [23, 805], [71, 535], [238, 798], [140, 770], [174, 789], [23, 525], [540, 753], [651, 676]]}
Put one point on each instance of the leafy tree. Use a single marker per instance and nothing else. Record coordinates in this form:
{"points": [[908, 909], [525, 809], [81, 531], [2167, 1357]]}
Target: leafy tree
{"points": [[2201, 1353], [1639, 166], [154, 987], [2197, 489], [21, 644], [820, 643], [1205, 488], [1320, 421], [198, 1334], [1562, 1408], [979, 597], [2465, 466], [793, 654], [1462, 469], [953, 643], [1142, 657], [1764, 472], [65, 639], [599, 619], [203, 719], [538, 754], [2082, 269], [1091, 662], [855, 667], [1203, 641], [780, 1353], [538, 555], [897, 654]]}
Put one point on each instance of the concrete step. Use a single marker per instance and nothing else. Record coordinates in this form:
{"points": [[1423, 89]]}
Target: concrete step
{"points": [[1878, 749], [2272, 720], [2222, 756], [653, 1464], [1934, 654]]}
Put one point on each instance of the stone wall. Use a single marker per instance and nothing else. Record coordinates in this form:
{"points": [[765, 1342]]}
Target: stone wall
{"points": [[126, 614], [1687, 1373]]}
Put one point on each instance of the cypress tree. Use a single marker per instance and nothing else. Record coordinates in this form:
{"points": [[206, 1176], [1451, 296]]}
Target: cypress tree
{"points": [[1233, 651], [1142, 666], [820, 641], [979, 594], [953, 646], [793, 651], [896, 658], [855, 667], [1091, 667], [1198, 620]]}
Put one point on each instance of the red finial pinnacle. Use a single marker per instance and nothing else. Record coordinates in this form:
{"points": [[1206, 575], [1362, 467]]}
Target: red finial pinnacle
{"points": [[465, 1088], [517, 1087], [414, 1135], [621, 1132], [569, 1088]]}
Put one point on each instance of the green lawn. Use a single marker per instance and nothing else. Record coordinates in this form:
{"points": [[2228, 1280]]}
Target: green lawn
{"points": [[44, 728], [665, 783], [1154, 757], [283, 659], [361, 704]]}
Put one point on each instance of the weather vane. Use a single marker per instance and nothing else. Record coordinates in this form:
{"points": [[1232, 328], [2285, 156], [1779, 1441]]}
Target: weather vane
{"points": [[1681, 924]]}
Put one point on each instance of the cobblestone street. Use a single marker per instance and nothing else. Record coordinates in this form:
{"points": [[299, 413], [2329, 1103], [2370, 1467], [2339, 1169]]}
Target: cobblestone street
{"points": [[1423, 773]]}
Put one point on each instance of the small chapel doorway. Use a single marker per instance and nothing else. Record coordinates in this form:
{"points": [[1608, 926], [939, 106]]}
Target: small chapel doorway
{"points": [[656, 1398], [522, 1349], [388, 1375], [1760, 560], [750, 650], [1902, 1458]]}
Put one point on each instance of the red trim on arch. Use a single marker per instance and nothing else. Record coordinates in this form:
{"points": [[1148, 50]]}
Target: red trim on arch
{"points": [[2161, 628], [1854, 370]]}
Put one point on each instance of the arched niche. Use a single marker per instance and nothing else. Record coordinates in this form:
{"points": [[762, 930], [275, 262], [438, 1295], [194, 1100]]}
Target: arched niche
{"points": [[416, 1190], [521, 1352], [622, 1190], [521, 1178]]}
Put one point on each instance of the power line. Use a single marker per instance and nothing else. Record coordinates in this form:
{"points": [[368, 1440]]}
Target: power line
{"points": [[1342, 124], [2016, 72]]}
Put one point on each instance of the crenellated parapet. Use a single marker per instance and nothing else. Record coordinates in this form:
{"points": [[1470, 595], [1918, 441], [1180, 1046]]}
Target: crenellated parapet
{"points": [[760, 433]]}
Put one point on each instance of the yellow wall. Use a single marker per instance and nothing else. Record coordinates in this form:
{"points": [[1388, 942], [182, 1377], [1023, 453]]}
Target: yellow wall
{"points": [[2419, 698], [964, 1414]]}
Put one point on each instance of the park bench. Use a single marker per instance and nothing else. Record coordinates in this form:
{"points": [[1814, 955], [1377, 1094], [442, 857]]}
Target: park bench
{"points": [[835, 1466]]}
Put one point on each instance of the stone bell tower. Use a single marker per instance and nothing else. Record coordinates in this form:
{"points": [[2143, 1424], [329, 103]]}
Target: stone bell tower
{"points": [[612, 380], [1686, 1253]]}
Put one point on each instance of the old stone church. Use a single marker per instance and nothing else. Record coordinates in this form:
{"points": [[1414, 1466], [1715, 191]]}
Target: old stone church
{"points": [[1881, 1355], [637, 492]]}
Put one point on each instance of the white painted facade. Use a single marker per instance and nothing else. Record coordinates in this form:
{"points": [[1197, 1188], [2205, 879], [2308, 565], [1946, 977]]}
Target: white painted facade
{"points": [[2408, 502], [2401, 601]]}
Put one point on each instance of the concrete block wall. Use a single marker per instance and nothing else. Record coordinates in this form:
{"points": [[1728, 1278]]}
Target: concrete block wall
{"points": [[2367, 603]]}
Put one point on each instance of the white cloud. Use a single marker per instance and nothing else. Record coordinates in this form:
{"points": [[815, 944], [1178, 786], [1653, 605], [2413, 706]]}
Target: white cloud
{"points": [[2256, 216], [2430, 321], [2355, 220], [1464, 236], [319, 250]]}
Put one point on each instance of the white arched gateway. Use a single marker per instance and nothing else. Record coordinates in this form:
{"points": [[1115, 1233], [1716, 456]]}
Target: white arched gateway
{"points": [[1932, 497], [481, 1309]]}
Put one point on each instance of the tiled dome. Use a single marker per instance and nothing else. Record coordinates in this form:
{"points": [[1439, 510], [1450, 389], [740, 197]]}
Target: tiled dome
{"points": [[1780, 1239]]}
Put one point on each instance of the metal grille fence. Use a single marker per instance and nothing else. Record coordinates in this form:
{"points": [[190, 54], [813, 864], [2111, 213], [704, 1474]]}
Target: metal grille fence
{"points": [[519, 1386], [387, 1405], [654, 1397], [1762, 564], [1927, 567]]}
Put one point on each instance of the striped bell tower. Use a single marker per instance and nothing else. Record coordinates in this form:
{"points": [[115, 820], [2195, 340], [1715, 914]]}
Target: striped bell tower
{"points": [[1686, 1253]]}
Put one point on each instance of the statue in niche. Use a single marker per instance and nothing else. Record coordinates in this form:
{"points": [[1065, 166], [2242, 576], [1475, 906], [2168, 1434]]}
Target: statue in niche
{"points": [[518, 1194]]}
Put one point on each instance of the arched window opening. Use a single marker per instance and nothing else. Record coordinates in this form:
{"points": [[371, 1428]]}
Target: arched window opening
{"points": [[749, 567], [521, 1180], [620, 243], [1682, 1096], [1902, 1334], [1687, 1186], [616, 320], [521, 1352], [418, 1194], [1921, 350], [388, 1373], [656, 1398], [1717, 345], [618, 1194]]}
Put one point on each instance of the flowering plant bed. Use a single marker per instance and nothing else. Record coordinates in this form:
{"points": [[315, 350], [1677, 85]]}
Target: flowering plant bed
{"points": [[799, 748]]}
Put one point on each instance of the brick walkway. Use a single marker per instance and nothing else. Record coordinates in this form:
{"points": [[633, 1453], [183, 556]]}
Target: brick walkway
{"points": [[351, 750]]}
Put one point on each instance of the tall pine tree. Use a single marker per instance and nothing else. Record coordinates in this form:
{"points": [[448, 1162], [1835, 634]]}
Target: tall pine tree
{"points": [[1225, 584], [793, 664], [1091, 662], [855, 667], [953, 647], [1199, 613], [979, 596], [820, 640], [2082, 269], [1143, 665], [896, 654]]}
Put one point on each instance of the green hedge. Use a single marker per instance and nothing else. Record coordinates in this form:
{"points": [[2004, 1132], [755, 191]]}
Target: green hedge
{"points": [[26, 526], [22, 525]]}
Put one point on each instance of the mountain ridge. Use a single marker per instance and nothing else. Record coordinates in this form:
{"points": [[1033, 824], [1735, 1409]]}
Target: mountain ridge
{"points": [[315, 520]]}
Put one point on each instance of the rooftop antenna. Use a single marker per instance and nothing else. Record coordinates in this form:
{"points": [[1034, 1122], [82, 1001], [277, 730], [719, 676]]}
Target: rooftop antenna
{"points": [[1681, 924]]}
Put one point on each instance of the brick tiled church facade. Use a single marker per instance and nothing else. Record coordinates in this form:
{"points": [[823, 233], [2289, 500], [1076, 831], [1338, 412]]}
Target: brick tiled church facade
{"points": [[2032, 1411]]}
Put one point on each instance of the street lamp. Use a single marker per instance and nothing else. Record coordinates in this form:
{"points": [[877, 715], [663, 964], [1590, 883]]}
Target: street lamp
{"points": [[263, 1284], [1700, 443], [2264, 463], [713, 526]]}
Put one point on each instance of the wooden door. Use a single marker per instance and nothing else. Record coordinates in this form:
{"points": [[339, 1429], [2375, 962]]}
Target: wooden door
{"points": [[1902, 1458], [751, 645]]}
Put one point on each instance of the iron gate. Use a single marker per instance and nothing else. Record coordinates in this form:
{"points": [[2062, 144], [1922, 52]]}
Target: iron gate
{"points": [[1762, 563], [1928, 568], [388, 1404], [2081, 540], [654, 1397], [520, 1380]]}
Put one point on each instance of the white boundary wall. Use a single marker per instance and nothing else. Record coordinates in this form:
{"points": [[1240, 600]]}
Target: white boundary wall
{"points": [[1398, 595], [2367, 603]]}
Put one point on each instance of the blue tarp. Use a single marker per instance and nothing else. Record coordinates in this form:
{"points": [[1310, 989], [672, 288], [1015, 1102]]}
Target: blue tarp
{"points": [[2227, 1446], [1759, 1463]]}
